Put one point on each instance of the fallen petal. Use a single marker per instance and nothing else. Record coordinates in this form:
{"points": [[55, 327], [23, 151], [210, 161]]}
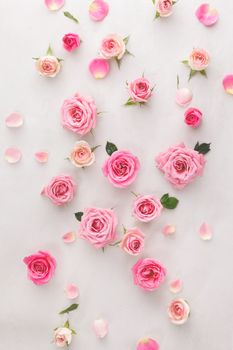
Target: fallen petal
{"points": [[12, 155], [175, 286], [54, 5], [14, 120], [169, 230], [100, 328], [205, 232], [41, 157], [72, 291], [98, 10], [228, 84], [69, 237], [183, 97], [147, 344], [99, 68], [207, 15]]}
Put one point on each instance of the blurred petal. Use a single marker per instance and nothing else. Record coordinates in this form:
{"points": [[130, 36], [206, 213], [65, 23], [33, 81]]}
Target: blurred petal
{"points": [[69, 237], [54, 5], [41, 157], [147, 344], [169, 230], [12, 155], [175, 286], [71, 291], [205, 232], [98, 10], [100, 328], [99, 68], [14, 120], [207, 15], [228, 84], [183, 97]]}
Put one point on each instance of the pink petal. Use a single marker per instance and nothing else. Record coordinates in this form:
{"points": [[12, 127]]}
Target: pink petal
{"points": [[12, 155], [54, 5], [99, 68], [98, 10], [41, 156], [183, 97], [169, 230], [72, 291], [207, 15], [175, 286], [69, 237], [228, 84], [148, 344], [14, 120], [100, 328], [205, 232]]}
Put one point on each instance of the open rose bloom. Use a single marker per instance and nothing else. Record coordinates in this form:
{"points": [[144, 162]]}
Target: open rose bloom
{"points": [[98, 226], [133, 241], [62, 336], [60, 190], [71, 41], [198, 60], [193, 117], [180, 165], [82, 155], [148, 274], [178, 311], [48, 66], [164, 8], [113, 46], [139, 90], [147, 208], [40, 267]]}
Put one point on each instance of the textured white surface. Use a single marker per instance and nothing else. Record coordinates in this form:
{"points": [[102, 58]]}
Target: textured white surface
{"points": [[30, 222]]}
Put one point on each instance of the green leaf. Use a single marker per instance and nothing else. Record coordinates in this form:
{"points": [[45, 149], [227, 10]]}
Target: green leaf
{"points": [[103, 249], [69, 309], [202, 148], [177, 81], [110, 148], [127, 52], [49, 52], [185, 62], [79, 215], [203, 72], [173, 2], [126, 39], [157, 15], [169, 202], [192, 73], [94, 148], [130, 102], [118, 62], [67, 324], [70, 16], [36, 58], [115, 243], [73, 331], [153, 2], [60, 59]]}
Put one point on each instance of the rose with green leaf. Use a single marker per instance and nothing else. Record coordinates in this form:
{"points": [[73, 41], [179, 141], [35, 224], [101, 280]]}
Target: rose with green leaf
{"points": [[114, 47], [48, 65], [197, 62], [63, 335], [140, 91], [164, 8]]}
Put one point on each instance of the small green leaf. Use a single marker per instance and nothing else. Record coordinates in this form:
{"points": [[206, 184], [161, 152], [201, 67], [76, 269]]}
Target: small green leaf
{"points": [[49, 52], [118, 62], [203, 72], [169, 202], [127, 52], [192, 73], [202, 148], [79, 215], [73, 331], [69, 309], [103, 249], [185, 62], [115, 243], [153, 2], [173, 2], [94, 148], [177, 81], [130, 102], [110, 148], [60, 59], [126, 39], [70, 16], [36, 58], [67, 324], [157, 15]]}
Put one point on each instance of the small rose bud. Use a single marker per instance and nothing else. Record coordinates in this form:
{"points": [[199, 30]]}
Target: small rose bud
{"points": [[147, 344], [100, 328]]}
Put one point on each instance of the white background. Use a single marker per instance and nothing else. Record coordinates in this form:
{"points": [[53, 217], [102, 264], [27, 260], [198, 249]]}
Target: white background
{"points": [[29, 222]]}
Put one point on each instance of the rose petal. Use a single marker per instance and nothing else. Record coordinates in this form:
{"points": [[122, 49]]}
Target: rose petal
{"points": [[169, 230], [207, 15], [175, 286], [205, 232], [228, 84], [12, 155], [98, 10], [69, 237], [147, 344], [41, 156], [72, 291], [100, 328], [54, 5], [99, 68], [183, 97], [14, 120]]}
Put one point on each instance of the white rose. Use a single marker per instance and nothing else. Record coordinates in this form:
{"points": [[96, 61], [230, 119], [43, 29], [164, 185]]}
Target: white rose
{"points": [[62, 336]]}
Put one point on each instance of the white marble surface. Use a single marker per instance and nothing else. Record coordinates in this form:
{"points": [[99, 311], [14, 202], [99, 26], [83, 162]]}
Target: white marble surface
{"points": [[29, 222]]}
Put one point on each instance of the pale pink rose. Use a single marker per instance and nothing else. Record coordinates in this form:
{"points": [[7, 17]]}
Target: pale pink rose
{"points": [[199, 59], [147, 344], [121, 168], [48, 66], [180, 165], [183, 96], [40, 267], [78, 114], [98, 226], [148, 274], [82, 155], [71, 41], [178, 311], [164, 7], [60, 190], [133, 241], [62, 336], [100, 327], [140, 90], [112, 46], [147, 208], [193, 117]]}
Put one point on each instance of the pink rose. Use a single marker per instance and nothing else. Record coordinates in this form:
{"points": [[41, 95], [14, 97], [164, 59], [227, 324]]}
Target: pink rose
{"points": [[147, 344], [112, 46], [164, 7], [180, 165], [133, 241], [78, 114], [148, 274], [147, 208], [60, 190], [178, 311], [71, 41], [140, 90], [121, 168], [198, 60], [48, 66], [98, 226], [40, 267], [193, 117], [82, 155], [62, 336]]}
